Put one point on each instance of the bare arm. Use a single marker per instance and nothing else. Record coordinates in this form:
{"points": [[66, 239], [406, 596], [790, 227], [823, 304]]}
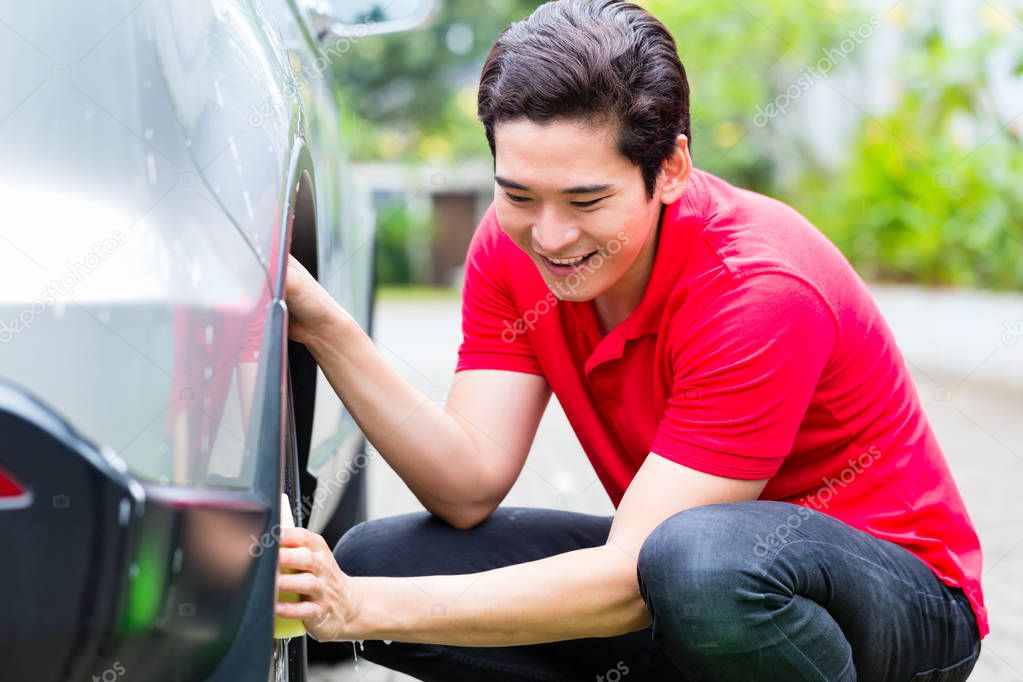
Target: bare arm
{"points": [[459, 460], [585, 593]]}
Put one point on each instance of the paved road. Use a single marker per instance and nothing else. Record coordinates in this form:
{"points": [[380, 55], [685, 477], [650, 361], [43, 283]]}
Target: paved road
{"points": [[979, 425]]}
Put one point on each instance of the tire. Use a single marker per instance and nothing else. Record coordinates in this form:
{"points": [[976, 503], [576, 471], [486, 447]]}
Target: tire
{"points": [[352, 509]]}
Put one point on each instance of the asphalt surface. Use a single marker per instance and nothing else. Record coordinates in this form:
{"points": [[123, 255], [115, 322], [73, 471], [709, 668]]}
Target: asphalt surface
{"points": [[979, 423]]}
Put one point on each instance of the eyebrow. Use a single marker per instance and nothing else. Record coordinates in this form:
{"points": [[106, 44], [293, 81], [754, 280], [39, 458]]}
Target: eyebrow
{"points": [[579, 189]]}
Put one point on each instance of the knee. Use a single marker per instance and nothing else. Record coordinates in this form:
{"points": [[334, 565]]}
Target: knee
{"points": [[694, 568], [354, 551], [693, 545], [378, 547]]}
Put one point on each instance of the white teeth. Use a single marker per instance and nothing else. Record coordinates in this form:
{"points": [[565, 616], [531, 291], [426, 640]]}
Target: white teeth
{"points": [[568, 261]]}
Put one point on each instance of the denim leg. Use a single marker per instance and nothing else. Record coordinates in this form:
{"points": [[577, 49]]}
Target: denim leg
{"points": [[421, 544], [771, 591]]}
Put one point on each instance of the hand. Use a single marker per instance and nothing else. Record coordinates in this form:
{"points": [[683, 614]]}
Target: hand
{"points": [[327, 607], [309, 304]]}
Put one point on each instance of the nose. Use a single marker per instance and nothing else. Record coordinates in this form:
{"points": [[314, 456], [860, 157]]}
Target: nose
{"points": [[554, 233]]}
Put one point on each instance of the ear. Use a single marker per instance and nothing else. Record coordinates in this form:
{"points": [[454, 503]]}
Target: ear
{"points": [[675, 171]]}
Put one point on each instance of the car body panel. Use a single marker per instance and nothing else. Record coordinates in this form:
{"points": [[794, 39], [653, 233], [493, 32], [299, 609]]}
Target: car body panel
{"points": [[149, 202], [129, 232]]}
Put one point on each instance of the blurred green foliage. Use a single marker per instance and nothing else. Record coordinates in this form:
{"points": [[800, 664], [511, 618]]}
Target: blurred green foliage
{"points": [[739, 56], [399, 238], [929, 191], [411, 98], [414, 94], [925, 189]]}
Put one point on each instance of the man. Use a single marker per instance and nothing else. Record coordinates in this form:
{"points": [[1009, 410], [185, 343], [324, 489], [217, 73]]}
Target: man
{"points": [[783, 509]]}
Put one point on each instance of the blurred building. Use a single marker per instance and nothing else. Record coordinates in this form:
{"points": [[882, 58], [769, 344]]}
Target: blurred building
{"points": [[448, 201]]}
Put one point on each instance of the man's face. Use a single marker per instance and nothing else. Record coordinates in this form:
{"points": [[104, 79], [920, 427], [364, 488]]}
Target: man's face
{"points": [[563, 192]]}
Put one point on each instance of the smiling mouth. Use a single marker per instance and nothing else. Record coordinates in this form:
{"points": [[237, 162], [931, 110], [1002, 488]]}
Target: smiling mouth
{"points": [[568, 261]]}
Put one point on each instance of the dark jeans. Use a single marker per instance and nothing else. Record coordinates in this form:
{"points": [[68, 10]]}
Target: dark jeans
{"points": [[745, 591]]}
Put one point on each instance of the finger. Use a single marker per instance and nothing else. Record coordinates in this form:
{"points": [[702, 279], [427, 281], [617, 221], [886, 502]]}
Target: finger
{"points": [[293, 271], [300, 537], [299, 610], [299, 559], [299, 583], [295, 263]]}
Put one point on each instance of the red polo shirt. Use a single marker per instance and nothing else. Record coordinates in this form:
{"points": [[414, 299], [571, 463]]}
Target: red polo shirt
{"points": [[755, 352]]}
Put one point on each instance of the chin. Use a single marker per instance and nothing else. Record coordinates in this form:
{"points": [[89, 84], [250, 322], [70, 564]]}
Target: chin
{"points": [[570, 297], [569, 290]]}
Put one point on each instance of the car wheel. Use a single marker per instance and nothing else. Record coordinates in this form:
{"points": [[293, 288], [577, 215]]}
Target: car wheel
{"points": [[352, 509]]}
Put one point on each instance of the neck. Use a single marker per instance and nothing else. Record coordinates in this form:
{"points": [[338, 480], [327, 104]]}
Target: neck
{"points": [[617, 303]]}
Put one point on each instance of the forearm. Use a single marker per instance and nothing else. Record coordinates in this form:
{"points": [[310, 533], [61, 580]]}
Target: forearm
{"points": [[585, 593], [427, 447]]}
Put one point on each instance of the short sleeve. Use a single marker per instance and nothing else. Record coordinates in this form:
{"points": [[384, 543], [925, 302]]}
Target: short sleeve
{"points": [[745, 367], [493, 336]]}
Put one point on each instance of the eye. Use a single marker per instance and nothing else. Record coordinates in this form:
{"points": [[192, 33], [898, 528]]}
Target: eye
{"points": [[516, 198], [587, 204]]}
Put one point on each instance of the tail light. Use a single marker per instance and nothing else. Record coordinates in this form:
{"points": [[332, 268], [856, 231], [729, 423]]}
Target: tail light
{"points": [[13, 494]]}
